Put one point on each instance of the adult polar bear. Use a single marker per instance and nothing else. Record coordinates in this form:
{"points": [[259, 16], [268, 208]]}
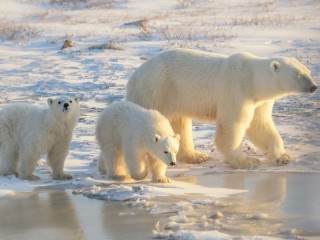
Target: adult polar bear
{"points": [[236, 91]]}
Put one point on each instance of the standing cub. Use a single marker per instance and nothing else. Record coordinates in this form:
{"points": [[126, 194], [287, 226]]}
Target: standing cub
{"points": [[129, 136], [28, 131]]}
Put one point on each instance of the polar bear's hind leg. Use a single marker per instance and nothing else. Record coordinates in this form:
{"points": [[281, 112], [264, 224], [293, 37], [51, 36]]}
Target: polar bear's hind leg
{"points": [[8, 160], [113, 163]]}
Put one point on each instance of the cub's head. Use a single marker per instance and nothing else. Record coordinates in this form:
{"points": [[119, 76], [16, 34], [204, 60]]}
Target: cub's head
{"points": [[166, 148], [64, 107], [293, 76]]}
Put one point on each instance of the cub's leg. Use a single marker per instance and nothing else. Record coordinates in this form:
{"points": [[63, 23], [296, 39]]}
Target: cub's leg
{"points": [[101, 165], [8, 159], [136, 162], [158, 170], [56, 158], [27, 162], [112, 161]]}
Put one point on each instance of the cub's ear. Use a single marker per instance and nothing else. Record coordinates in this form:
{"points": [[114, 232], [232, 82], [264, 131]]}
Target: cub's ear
{"points": [[50, 101], [156, 138], [76, 99], [275, 66], [177, 137]]}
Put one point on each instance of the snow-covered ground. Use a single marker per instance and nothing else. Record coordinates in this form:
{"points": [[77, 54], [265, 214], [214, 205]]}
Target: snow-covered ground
{"points": [[111, 38]]}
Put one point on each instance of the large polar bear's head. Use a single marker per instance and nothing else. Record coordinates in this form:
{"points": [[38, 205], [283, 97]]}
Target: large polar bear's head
{"points": [[165, 148], [293, 76], [66, 108]]}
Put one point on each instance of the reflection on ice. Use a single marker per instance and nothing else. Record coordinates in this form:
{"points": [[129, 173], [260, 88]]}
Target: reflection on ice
{"points": [[178, 188], [257, 206], [266, 204]]}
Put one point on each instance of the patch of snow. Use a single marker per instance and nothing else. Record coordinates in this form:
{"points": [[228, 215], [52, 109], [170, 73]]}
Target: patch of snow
{"points": [[120, 192]]}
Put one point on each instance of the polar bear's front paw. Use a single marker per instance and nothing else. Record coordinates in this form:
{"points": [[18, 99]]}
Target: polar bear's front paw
{"points": [[246, 163], [194, 158], [282, 160], [161, 180]]}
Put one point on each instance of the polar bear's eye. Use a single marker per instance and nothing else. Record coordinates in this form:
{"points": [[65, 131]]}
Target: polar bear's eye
{"points": [[59, 102], [166, 152], [70, 101]]}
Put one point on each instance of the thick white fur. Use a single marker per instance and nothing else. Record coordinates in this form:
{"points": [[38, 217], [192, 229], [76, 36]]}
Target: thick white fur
{"points": [[236, 91], [129, 136], [28, 131]]}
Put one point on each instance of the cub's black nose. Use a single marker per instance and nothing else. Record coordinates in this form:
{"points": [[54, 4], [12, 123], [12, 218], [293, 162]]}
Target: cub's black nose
{"points": [[313, 88], [66, 105], [172, 164]]}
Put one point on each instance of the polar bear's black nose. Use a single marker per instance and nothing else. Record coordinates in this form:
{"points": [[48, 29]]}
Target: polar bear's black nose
{"points": [[313, 88], [66, 105], [172, 164]]}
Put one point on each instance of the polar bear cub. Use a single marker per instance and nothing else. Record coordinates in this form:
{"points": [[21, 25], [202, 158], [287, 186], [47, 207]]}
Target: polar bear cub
{"points": [[133, 140], [28, 131]]}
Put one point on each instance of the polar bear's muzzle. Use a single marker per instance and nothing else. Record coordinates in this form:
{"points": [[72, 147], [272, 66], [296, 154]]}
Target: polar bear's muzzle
{"points": [[172, 164], [66, 107]]}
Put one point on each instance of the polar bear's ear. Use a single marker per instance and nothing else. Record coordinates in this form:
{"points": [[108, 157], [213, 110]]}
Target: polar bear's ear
{"points": [[275, 66], [50, 101], [156, 138], [76, 99], [177, 137]]}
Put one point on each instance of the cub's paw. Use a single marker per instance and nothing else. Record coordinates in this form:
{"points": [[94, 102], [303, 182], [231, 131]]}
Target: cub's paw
{"points": [[103, 171], [282, 160], [29, 177], [161, 180], [123, 178], [63, 176], [194, 158]]}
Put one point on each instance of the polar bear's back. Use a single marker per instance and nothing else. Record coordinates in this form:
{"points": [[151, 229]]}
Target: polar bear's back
{"points": [[20, 123], [173, 69], [187, 75], [21, 116], [125, 120]]}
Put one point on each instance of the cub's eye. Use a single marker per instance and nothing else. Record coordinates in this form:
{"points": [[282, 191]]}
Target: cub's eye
{"points": [[166, 152], [59, 102], [70, 101]]}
